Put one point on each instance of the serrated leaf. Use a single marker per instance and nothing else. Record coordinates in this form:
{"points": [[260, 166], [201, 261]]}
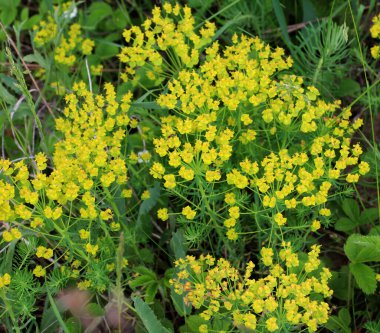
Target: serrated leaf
{"points": [[345, 224], [147, 316], [361, 249], [150, 292], [351, 209], [365, 277]]}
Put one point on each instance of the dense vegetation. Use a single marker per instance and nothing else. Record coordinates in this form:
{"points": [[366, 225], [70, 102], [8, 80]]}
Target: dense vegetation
{"points": [[200, 166]]}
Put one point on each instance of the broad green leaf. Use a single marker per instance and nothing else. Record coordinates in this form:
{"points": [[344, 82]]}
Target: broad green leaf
{"points": [[344, 316], [194, 322], [73, 325], [98, 11], [345, 224], [369, 216], [360, 248], [147, 316], [351, 209], [375, 231], [105, 49], [6, 96], [8, 14], [309, 11], [347, 87], [365, 277]]}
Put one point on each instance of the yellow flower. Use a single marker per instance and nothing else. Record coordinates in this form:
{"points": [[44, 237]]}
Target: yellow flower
{"points": [[41, 161], [92, 249], [271, 324], [352, 178], [186, 173], [232, 234], [84, 234], [39, 271], [315, 225], [12, 234], [5, 280], [280, 219], [43, 252], [127, 193], [106, 215], [145, 195], [229, 223], [163, 214], [36, 222], [7, 236], [203, 328], [364, 168], [229, 198], [87, 46], [169, 181], [325, 212], [84, 285], [115, 226], [157, 170], [234, 212], [189, 213]]}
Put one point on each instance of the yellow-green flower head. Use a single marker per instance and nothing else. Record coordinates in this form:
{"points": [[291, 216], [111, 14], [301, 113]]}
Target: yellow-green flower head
{"points": [[278, 297]]}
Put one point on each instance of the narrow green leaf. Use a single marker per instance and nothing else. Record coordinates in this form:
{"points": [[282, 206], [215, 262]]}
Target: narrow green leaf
{"points": [[57, 314], [281, 20], [177, 243], [147, 316]]}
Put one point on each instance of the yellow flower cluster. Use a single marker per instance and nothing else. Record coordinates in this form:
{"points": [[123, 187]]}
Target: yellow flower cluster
{"points": [[70, 43], [238, 122], [288, 295], [46, 31], [171, 31], [375, 33], [69, 47], [87, 161]]}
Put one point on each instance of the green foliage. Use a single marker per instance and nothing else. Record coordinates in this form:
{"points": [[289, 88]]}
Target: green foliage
{"points": [[131, 275], [149, 319], [362, 249]]}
